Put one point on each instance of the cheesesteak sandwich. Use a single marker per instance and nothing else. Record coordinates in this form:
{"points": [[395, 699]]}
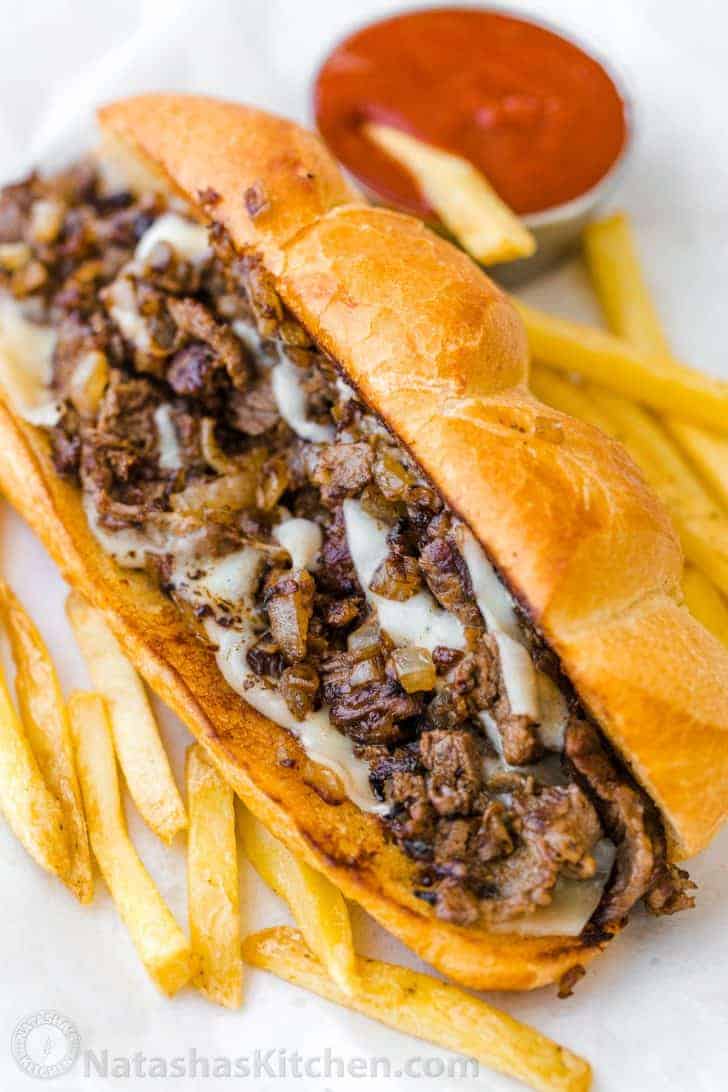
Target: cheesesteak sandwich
{"points": [[428, 628]]}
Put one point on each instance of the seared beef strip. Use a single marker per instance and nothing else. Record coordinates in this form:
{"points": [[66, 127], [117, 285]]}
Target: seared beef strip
{"points": [[447, 578], [187, 346], [630, 819]]}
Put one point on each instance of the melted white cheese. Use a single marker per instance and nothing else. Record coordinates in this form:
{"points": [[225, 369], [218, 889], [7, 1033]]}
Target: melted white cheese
{"points": [[573, 903], [303, 539], [26, 355], [492, 597], [227, 583], [188, 238], [548, 771], [344, 391], [248, 335], [291, 401], [170, 453], [227, 586], [128, 546], [553, 713], [319, 738], [44, 415], [125, 314], [519, 676], [530, 693], [417, 621]]}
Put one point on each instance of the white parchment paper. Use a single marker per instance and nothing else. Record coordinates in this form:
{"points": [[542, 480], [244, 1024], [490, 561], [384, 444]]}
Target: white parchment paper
{"points": [[653, 1012]]}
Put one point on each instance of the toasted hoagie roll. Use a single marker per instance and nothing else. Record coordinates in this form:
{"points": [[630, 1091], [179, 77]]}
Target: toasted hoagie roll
{"points": [[428, 628]]}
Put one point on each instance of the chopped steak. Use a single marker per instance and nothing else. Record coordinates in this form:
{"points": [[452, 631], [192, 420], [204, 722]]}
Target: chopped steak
{"points": [[256, 412], [521, 745], [337, 570], [629, 818], [368, 706], [66, 444], [195, 321], [492, 838], [565, 823], [170, 424], [77, 336], [447, 579], [340, 613], [342, 470], [193, 372], [455, 903], [453, 762], [119, 454], [266, 658]]}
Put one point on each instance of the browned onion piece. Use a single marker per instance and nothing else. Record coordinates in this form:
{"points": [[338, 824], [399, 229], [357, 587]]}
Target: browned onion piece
{"points": [[391, 477], [14, 256], [289, 600], [397, 577], [212, 453], [365, 641], [46, 219], [226, 494], [273, 482], [376, 504], [299, 686], [367, 671], [88, 382], [415, 669]]}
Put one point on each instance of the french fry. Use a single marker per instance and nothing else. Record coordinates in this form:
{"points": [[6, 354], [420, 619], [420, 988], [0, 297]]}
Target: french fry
{"points": [[32, 812], [614, 266], [611, 363], [702, 525], [45, 719], [427, 1009], [318, 907], [158, 939], [706, 602], [136, 737], [461, 196], [707, 451], [611, 257], [212, 882]]}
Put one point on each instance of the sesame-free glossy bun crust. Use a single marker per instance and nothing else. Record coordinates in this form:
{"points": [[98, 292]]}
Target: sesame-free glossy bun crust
{"points": [[562, 511]]}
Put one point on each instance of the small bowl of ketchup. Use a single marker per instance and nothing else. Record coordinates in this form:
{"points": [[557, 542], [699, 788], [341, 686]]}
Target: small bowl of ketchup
{"points": [[546, 122]]}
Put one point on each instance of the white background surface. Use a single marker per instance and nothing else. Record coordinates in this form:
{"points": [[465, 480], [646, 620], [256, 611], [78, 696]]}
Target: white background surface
{"points": [[653, 1012]]}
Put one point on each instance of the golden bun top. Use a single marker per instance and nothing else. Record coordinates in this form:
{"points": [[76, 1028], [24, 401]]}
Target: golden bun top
{"points": [[183, 138], [437, 350]]}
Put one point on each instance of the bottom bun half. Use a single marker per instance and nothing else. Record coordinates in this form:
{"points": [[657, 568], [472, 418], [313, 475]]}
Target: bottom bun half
{"points": [[336, 838]]}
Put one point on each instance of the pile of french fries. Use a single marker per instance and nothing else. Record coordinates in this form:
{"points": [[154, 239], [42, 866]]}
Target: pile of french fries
{"points": [[672, 420], [61, 794]]}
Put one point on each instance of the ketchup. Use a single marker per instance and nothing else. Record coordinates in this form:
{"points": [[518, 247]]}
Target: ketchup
{"points": [[540, 118]]}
